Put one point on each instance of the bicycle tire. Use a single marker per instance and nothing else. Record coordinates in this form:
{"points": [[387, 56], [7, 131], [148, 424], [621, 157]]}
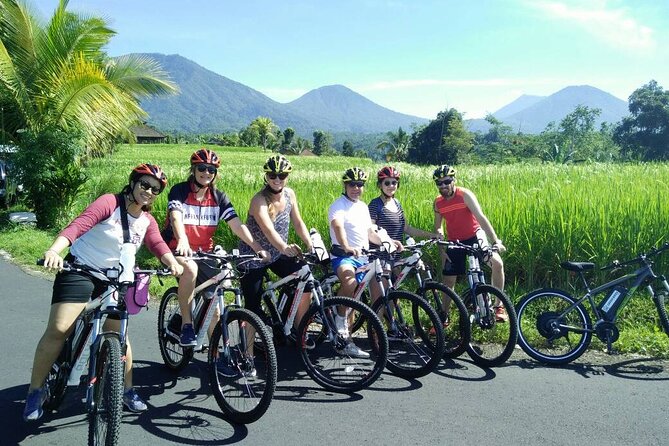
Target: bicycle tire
{"points": [[457, 330], [104, 417], [539, 335], [243, 397], [416, 343], [661, 300], [174, 355], [328, 364], [491, 343]]}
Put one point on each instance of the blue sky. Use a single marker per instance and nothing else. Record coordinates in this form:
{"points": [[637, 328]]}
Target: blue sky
{"points": [[413, 56]]}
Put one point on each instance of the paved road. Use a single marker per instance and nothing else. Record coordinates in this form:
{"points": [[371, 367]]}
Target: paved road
{"points": [[621, 400]]}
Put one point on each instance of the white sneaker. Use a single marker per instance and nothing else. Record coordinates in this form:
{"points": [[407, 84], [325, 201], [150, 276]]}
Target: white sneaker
{"points": [[342, 326], [353, 351]]}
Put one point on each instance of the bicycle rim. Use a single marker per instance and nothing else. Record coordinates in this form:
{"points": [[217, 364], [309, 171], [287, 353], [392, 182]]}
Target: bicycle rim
{"points": [[491, 341], [174, 355], [343, 363], [104, 418], [415, 338], [242, 378], [453, 315], [545, 335]]}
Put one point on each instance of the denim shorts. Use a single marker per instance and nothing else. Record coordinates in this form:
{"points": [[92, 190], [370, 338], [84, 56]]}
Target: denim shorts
{"points": [[355, 262]]}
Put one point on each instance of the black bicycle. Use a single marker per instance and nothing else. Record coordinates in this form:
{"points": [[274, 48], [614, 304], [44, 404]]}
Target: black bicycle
{"points": [[338, 357], [243, 379], [556, 328], [96, 356], [491, 341]]}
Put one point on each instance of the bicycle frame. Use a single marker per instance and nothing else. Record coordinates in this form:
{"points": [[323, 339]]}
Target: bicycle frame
{"points": [[303, 276], [637, 278]]}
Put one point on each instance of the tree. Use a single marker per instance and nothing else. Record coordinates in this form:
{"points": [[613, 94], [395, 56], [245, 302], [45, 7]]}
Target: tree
{"points": [[288, 135], [645, 134], [396, 145], [322, 142], [266, 129], [56, 75], [51, 172], [441, 141], [347, 148]]}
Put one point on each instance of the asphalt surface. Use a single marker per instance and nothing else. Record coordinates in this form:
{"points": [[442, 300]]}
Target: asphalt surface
{"points": [[599, 400]]}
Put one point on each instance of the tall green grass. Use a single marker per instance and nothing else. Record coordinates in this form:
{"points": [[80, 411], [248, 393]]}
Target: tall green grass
{"points": [[544, 213]]}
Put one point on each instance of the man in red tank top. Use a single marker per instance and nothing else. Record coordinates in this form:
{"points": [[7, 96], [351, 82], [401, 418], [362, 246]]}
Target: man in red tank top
{"points": [[459, 209]]}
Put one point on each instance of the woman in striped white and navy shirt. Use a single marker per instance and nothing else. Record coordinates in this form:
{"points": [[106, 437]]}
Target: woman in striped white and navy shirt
{"points": [[386, 211]]}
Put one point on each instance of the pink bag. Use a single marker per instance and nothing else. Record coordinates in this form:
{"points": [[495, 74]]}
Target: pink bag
{"points": [[137, 296]]}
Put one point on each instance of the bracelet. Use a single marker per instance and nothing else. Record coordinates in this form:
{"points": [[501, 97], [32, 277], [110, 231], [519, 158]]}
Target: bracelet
{"points": [[52, 250]]}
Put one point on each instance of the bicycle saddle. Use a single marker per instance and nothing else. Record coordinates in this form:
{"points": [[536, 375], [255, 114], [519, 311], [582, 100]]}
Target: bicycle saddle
{"points": [[577, 266]]}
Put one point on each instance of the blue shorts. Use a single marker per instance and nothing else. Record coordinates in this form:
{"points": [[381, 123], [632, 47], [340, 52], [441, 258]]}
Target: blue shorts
{"points": [[355, 262]]}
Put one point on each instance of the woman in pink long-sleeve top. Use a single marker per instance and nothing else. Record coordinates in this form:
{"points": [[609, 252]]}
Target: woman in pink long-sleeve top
{"points": [[95, 238]]}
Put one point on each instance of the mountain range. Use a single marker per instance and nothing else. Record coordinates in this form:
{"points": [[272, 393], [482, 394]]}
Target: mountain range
{"points": [[211, 103], [531, 114]]}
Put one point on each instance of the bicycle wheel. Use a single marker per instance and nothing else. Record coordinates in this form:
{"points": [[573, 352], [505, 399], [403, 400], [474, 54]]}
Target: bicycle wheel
{"points": [[104, 417], [547, 333], [174, 355], [491, 342], [346, 361], [661, 300], [242, 378], [415, 338], [453, 315]]}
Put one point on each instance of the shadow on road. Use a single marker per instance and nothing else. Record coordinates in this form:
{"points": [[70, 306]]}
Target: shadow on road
{"points": [[640, 369]]}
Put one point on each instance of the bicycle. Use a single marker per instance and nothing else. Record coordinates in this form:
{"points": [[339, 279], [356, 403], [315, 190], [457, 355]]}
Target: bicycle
{"points": [[327, 359], [491, 342], [96, 356], [242, 383], [454, 319], [556, 328], [415, 337]]}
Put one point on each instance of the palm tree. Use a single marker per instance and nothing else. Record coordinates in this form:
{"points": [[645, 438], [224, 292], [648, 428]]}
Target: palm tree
{"points": [[57, 74], [397, 145], [265, 128]]}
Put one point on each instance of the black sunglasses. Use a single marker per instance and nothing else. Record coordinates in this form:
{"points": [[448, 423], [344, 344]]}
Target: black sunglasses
{"points": [[444, 182], [390, 183], [211, 169], [147, 186], [274, 176], [356, 183]]}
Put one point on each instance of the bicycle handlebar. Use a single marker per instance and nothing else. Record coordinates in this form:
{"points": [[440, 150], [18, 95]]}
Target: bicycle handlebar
{"points": [[67, 266], [638, 259]]}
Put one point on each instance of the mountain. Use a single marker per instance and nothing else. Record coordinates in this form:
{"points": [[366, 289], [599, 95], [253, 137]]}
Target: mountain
{"points": [[211, 103], [343, 110], [518, 105], [531, 114]]}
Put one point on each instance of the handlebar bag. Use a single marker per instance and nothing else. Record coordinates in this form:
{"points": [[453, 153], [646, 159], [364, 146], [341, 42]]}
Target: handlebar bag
{"points": [[137, 296]]}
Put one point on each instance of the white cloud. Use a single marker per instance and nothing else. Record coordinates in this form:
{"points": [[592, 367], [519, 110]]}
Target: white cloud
{"points": [[613, 26]]}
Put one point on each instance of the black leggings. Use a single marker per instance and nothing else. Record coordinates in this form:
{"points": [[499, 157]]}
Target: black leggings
{"points": [[252, 281]]}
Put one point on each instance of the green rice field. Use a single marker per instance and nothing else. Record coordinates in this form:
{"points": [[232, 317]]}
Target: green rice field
{"points": [[544, 213]]}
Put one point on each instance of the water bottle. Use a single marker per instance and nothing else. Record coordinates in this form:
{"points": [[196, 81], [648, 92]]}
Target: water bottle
{"points": [[127, 263], [318, 244], [609, 306]]}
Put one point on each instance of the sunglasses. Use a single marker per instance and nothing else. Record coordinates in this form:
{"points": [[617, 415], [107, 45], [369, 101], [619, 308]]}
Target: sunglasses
{"points": [[444, 182], [274, 176], [147, 186], [356, 183], [390, 183], [211, 169]]}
